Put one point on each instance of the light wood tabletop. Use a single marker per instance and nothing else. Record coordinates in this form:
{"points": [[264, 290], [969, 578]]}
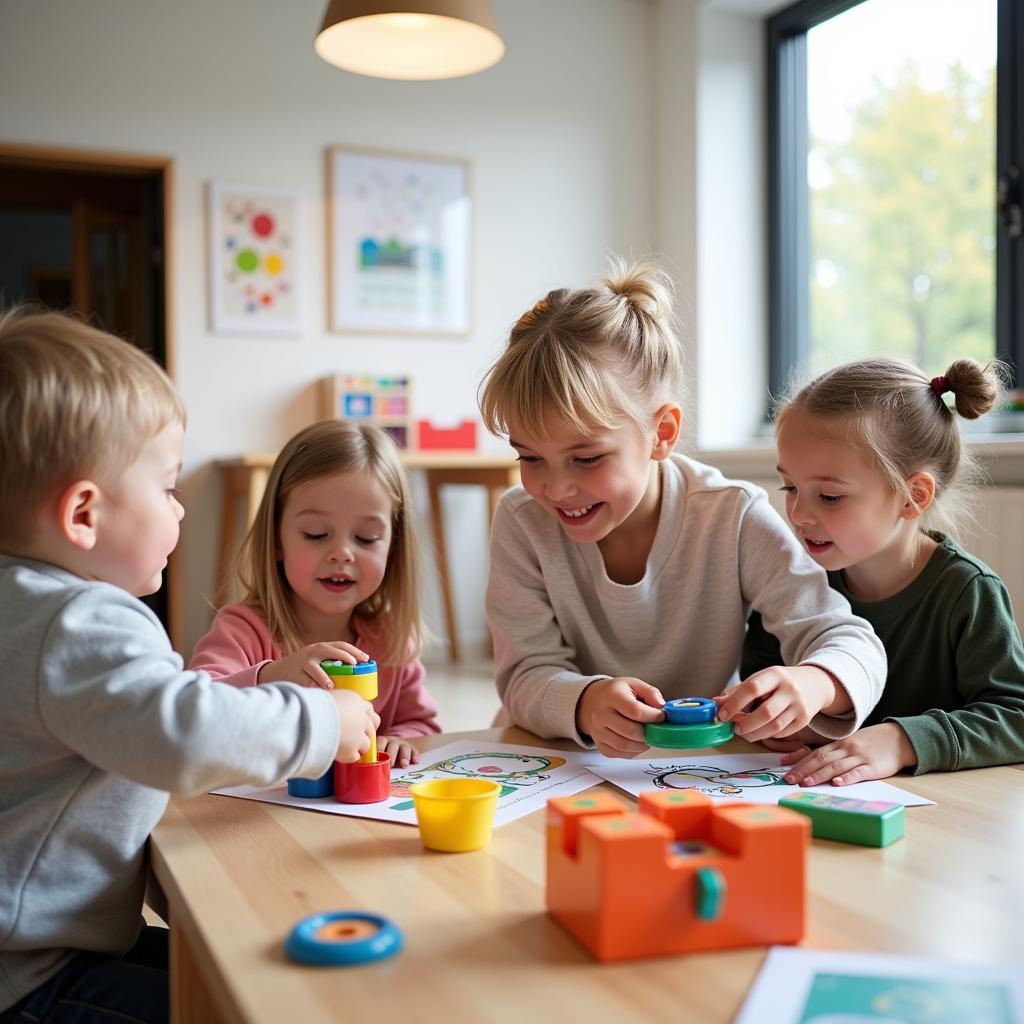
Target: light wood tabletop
{"points": [[479, 945]]}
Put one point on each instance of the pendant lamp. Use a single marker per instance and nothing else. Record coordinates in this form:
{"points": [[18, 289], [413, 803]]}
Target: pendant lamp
{"points": [[410, 39]]}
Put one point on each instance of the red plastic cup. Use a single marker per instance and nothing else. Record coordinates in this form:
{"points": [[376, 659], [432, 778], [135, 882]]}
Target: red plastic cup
{"points": [[363, 783]]}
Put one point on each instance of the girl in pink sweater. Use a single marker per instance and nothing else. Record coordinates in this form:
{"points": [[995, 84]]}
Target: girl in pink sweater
{"points": [[330, 571]]}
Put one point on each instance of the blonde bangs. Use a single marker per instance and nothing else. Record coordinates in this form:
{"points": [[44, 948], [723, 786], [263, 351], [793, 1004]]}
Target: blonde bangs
{"points": [[537, 387]]}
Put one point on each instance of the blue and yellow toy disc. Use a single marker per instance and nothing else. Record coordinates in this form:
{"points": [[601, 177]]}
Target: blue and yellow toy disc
{"points": [[690, 710], [343, 938]]}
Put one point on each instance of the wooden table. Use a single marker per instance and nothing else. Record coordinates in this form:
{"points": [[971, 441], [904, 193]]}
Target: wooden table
{"points": [[245, 479], [479, 945]]}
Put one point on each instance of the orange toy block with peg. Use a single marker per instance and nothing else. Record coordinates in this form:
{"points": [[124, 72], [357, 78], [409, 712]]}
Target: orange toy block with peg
{"points": [[685, 873]]}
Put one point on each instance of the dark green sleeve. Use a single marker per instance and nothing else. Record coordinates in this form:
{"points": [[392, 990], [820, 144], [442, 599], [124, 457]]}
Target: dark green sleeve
{"points": [[989, 659], [760, 648]]}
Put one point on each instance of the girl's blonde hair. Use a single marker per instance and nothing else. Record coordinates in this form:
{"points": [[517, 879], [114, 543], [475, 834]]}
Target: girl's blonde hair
{"points": [[589, 357], [74, 401], [896, 416], [322, 450]]}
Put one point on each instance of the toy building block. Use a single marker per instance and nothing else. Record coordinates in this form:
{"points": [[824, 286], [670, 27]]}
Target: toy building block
{"points": [[458, 438], [684, 874], [846, 820], [689, 723]]}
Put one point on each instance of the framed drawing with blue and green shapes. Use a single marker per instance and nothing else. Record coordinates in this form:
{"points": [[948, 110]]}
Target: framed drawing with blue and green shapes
{"points": [[399, 243]]}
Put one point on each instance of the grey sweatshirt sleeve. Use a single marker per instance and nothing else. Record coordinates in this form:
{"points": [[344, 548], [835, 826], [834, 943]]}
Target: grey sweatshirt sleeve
{"points": [[813, 623], [538, 682], [112, 690]]}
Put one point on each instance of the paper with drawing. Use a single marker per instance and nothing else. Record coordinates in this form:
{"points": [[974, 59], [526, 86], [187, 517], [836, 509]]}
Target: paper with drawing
{"points": [[528, 777], [756, 778]]}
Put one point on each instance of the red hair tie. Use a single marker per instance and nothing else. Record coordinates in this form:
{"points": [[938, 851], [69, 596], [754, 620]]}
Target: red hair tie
{"points": [[940, 385]]}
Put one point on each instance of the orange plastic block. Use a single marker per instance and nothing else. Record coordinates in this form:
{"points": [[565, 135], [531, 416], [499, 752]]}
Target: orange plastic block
{"points": [[685, 873]]}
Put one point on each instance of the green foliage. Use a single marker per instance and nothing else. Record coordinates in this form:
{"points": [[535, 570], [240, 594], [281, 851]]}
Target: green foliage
{"points": [[903, 226]]}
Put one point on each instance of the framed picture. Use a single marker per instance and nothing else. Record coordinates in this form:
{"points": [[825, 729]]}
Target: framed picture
{"points": [[399, 230], [254, 259]]}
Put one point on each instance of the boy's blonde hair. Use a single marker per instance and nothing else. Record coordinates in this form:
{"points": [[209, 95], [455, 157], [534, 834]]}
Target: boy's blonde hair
{"points": [[589, 357], [896, 417], [326, 448], [74, 402]]}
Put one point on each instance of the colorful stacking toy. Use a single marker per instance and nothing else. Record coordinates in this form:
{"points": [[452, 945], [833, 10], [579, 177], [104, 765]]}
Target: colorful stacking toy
{"points": [[368, 781], [689, 722]]}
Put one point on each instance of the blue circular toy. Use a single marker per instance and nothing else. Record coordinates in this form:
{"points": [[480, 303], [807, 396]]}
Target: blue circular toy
{"points": [[690, 710], [343, 938]]}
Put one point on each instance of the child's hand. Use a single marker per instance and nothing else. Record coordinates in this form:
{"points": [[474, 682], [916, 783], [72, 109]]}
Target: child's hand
{"points": [[873, 753], [303, 667], [357, 722], [805, 740], [402, 752], [786, 700], [613, 712]]}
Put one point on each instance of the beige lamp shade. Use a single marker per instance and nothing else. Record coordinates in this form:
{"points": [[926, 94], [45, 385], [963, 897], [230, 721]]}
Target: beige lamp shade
{"points": [[411, 39]]}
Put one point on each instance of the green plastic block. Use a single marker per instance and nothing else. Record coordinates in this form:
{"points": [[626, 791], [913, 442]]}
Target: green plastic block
{"points": [[710, 893], [865, 822], [683, 737]]}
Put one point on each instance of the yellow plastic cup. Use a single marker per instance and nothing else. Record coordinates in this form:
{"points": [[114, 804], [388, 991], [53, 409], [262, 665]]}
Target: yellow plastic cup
{"points": [[455, 815]]}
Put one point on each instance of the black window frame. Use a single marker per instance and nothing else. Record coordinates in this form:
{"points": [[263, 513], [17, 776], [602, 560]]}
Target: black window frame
{"points": [[788, 205]]}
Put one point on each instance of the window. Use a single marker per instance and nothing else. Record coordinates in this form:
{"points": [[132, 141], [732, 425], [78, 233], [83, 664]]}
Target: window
{"points": [[895, 147]]}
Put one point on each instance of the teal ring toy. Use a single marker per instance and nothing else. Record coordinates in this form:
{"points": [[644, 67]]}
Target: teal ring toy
{"points": [[690, 710], [305, 946], [684, 737]]}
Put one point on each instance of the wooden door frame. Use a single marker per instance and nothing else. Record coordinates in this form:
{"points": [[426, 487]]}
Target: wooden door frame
{"points": [[113, 162]]}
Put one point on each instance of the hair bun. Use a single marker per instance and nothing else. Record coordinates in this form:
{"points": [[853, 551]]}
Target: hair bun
{"points": [[976, 388], [644, 284]]}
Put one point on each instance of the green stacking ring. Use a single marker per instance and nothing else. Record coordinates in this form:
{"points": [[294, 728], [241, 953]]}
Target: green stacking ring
{"points": [[704, 734]]}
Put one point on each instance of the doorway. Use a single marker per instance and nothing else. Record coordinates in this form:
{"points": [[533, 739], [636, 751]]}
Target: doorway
{"points": [[89, 232]]}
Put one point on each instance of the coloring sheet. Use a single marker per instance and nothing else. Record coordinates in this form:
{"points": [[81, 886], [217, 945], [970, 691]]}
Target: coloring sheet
{"points": [[808, 986], [756, 778], [529, 776]]}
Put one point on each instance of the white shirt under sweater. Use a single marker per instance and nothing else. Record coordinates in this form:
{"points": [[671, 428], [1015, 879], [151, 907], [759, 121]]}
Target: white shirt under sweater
{"points": [[559, 623]]}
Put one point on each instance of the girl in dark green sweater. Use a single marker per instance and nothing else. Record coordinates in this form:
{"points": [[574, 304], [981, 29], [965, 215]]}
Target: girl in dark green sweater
{"points": [[873, 467]]}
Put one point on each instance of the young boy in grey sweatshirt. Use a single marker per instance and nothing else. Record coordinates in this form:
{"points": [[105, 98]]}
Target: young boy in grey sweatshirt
{"points": [[100, 719]]}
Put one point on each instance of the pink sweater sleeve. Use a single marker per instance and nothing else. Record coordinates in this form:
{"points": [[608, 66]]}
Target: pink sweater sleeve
{"points": [[414, 712], [237, 646], [403, 702]]}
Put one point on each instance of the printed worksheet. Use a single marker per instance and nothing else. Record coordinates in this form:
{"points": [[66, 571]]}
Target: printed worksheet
{"points": [[756, 778], [811, 986], [529, 776]]}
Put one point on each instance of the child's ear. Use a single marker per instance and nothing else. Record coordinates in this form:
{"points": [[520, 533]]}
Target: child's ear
{"points": [[76, 513], [668, 421], [922, 491]]}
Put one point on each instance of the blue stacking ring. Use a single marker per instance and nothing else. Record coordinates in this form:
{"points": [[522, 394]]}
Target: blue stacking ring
{"points": [[312, 789], [305, 945], [690, 710]]}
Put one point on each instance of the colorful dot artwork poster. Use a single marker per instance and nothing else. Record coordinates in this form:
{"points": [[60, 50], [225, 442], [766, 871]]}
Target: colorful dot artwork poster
{"points": [[254, 260], [400, 244]]}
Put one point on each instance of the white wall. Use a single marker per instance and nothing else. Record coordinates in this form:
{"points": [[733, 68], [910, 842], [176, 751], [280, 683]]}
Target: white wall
{"points": [[566, 168]]}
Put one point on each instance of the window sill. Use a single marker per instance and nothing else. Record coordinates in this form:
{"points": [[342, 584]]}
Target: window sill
{"points": [[1001, 455]]}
